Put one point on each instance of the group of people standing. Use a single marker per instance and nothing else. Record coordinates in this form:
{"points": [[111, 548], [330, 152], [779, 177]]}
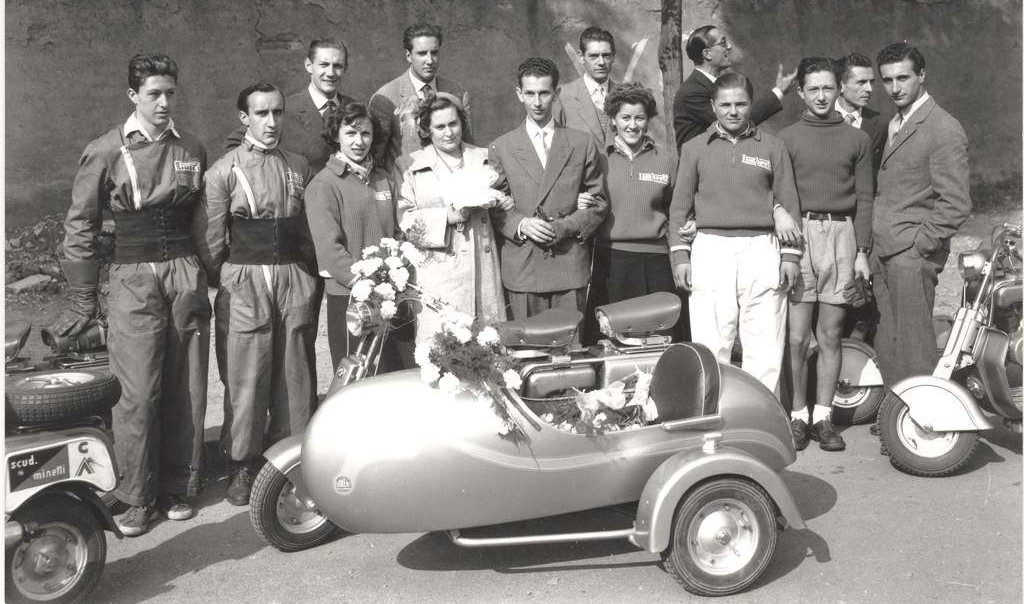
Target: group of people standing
{"points": [[574, 207]]}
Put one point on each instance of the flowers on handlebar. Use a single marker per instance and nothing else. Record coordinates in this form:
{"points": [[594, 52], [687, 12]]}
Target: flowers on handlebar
{"points": [[466, 355], [382, 276]]}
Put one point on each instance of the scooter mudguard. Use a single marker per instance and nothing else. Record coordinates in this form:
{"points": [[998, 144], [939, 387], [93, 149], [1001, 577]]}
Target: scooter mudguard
{"points": [[286, 456], [860, 365], [940, 405]]}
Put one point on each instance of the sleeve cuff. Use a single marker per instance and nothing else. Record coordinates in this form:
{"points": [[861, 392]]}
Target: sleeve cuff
{"points": [[778, 92], [791, 255], [680, 256]]}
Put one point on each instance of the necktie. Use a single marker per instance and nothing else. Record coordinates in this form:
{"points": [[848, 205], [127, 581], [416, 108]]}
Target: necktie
{"points": [[427, 90], [850, 118], [329, 108], [894, 126], [542, 151], [598, 98]]}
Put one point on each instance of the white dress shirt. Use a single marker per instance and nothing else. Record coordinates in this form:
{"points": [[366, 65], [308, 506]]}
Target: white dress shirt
{"points": [[418, 84], [541, 136], [319, 100], [858, 117]]}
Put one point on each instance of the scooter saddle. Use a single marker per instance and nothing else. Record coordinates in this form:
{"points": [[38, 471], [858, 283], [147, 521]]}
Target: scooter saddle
{"points": [[555, 328], [653, 312], [15, 336]]}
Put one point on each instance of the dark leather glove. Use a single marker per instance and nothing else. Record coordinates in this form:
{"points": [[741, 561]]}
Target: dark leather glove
{"points": [[82, 276]]}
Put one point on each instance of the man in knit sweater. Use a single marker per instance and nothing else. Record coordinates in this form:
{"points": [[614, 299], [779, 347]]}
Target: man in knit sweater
{"points": [[737, 182], [832, 165]]}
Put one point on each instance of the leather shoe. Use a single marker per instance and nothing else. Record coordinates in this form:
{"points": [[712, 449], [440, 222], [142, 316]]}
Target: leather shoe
{"points": [[873, 429], [825, 433], [240, 487], [801, 433]]}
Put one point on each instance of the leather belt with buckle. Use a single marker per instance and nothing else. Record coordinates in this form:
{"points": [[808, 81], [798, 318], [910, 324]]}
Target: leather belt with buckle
{"points": [[826, 216]]}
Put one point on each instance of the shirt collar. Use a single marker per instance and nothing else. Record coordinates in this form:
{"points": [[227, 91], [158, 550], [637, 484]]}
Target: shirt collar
{"points": [[133, 124], [620, 146], [718, 132], [255, 143], [532, 129], [856, 113], [343, 164], [917, 105], [706, 73], [418, 84], [593, 86], [319, 100]]}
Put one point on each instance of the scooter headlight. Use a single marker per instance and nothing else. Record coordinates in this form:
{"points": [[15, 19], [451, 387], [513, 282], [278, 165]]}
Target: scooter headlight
{"points": [[971, 263], [360, 317]]}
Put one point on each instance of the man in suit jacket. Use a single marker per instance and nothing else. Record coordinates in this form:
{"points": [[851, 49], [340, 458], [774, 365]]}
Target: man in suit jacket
{"points": [[709, 49], [922, 199], [326, 62], [546, 253], [856, 82], [394, 106], [580, 103]]}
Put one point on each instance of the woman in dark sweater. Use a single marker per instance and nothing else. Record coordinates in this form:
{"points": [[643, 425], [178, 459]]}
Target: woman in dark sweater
{"points": [[350, 205], [632, 248]]}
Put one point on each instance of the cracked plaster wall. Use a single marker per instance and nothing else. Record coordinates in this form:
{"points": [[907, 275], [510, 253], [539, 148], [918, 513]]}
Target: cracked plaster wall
{"points": [[66, 61]]}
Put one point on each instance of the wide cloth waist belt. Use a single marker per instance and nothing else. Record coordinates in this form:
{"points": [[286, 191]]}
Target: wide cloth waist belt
{"points": [[266, 240], [836, 216], [153, 234]]}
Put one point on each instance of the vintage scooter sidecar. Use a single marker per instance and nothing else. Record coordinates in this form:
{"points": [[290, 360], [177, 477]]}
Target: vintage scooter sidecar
{"points": [[392, 454]]}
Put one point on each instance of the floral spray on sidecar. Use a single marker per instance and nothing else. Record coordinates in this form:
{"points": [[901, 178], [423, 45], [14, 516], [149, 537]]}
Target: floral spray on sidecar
{"points": [[698, 444]]}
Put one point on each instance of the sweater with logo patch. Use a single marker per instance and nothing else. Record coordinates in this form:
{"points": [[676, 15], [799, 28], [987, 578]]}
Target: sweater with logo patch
{"points": [[832, 165], [731, 188], [639, 192]]}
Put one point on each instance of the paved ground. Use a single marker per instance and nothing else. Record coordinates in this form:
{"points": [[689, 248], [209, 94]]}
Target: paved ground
{"points": [[873, 535]]}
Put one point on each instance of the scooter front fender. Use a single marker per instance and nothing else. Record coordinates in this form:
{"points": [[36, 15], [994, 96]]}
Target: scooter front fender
{"points": [[941, 405], [286, 456]]}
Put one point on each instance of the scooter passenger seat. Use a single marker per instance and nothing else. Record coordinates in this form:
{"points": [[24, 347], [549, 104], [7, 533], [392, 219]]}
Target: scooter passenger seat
{"points": [[686, 382], [554, 328], [15, 336], [654, 312]]}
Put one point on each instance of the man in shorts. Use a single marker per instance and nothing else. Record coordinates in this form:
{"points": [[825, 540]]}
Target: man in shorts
{"points": [[832, 166]]}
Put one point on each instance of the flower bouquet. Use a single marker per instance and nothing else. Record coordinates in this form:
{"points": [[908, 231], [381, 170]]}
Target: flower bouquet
{"points": [[467, 355], [621, 405], [382, 276]]}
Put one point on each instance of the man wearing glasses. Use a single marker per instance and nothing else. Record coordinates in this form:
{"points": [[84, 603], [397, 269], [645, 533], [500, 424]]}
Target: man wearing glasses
{"points": [[709, 49]]}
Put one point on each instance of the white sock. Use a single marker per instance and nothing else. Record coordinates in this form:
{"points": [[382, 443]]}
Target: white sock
{"points": [[801, 414], [821, 412]]}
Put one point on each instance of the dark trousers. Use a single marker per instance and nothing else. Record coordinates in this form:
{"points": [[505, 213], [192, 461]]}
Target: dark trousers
{"points": [[904, 287], [397, 351], [621, 275]]}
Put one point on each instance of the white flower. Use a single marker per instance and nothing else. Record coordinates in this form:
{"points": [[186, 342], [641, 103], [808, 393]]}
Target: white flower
{"points": [[512, 379], [411, 253], [393, 262], [503, 428], [454, 318], [385, 290], [462, 334], [599, 419], [449, 384], [357, 268], [400, 277], [388, 309], [362, 290], [487, 336], [370, 266], [369, 251], [429, 372], [389, 243], [422, 354], [548, 417]]}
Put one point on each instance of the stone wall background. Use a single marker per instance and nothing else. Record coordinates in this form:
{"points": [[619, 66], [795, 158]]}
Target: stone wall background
{"points": [[66, 61]]}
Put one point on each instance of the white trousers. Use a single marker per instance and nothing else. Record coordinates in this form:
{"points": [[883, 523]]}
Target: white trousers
{"points": [[735, 284]]}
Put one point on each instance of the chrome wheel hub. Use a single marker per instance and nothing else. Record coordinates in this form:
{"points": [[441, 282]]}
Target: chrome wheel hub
{"points": [[51, 563], [848, 396], [723, 537], [62, 379], [296, 512], [920, 440]]}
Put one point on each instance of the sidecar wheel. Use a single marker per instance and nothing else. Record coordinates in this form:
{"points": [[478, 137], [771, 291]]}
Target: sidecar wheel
{"points": [[283, 515], [919, 451], [723, 538], [62, 560]]}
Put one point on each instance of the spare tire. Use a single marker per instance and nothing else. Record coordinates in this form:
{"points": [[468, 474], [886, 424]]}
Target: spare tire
{"points": [[52, 396]]}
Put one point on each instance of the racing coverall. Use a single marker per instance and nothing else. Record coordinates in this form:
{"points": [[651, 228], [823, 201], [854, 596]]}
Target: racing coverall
{"points": [[159, 312], [256, 246]]}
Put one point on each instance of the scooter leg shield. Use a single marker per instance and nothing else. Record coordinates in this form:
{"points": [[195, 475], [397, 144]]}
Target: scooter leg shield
{"points": [[941, 405]]}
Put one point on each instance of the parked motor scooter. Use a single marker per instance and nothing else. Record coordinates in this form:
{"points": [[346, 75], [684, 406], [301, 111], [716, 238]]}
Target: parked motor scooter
{"points": [[931, 425], [59, 459]]}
